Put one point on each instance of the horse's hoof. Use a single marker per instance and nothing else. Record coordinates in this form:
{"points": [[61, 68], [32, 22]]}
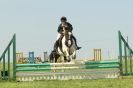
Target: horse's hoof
{"points": [[68, 60]]}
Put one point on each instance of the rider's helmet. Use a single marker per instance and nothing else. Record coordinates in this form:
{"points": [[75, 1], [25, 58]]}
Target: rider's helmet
{"points": [[63, 19]]}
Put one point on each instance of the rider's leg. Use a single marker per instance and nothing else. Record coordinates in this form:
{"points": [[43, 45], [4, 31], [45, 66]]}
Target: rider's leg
{"points": [[58, 36], [76, 42], [56, 45], [57, 42]]}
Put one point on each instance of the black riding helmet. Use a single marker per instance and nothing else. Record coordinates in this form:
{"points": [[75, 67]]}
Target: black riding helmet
{"points": [[63, 19]]}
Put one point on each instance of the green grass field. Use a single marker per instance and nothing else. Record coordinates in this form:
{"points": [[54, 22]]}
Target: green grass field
{"points": [[126, 82]]}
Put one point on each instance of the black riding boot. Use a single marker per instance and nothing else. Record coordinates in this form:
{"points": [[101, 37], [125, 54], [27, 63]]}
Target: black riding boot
{"points": [[76, 44]]}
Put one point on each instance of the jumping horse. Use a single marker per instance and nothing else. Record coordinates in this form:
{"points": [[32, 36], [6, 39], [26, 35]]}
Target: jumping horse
{"points": [[66, 48]]}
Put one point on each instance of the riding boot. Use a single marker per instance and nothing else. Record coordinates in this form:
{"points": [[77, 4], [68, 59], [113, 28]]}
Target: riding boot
{"points": [[77, 47]]}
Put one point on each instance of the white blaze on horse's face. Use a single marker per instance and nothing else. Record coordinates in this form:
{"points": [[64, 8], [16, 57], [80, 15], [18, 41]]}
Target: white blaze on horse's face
{"points": [[69, 41]]}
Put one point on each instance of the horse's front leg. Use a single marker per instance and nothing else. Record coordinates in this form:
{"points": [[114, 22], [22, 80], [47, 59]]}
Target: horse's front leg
{"points": [[62, 58], [68, 56], [68, 59]]}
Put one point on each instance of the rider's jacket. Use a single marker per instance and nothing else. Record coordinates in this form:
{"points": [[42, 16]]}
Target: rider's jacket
{"points": [[67, 25]]}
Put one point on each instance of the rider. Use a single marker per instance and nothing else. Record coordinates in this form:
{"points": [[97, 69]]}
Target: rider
{"points": [[69, 27]]}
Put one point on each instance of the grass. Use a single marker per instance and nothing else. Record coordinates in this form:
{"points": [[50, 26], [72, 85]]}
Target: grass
{"points": [[99, 83]]}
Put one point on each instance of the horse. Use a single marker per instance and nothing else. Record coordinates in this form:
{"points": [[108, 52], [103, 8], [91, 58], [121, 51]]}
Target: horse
{"points": [[66, 48]]}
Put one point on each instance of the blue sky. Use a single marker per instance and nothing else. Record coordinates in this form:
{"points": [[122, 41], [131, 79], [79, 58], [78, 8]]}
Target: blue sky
{"points": [[95, 23]]}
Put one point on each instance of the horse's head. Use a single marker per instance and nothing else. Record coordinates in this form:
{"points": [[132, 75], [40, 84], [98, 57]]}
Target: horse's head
{"points": [[68, 37]]}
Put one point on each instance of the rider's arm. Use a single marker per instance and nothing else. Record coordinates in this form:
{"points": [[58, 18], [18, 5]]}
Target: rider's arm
{"points": [[70, 27]]}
